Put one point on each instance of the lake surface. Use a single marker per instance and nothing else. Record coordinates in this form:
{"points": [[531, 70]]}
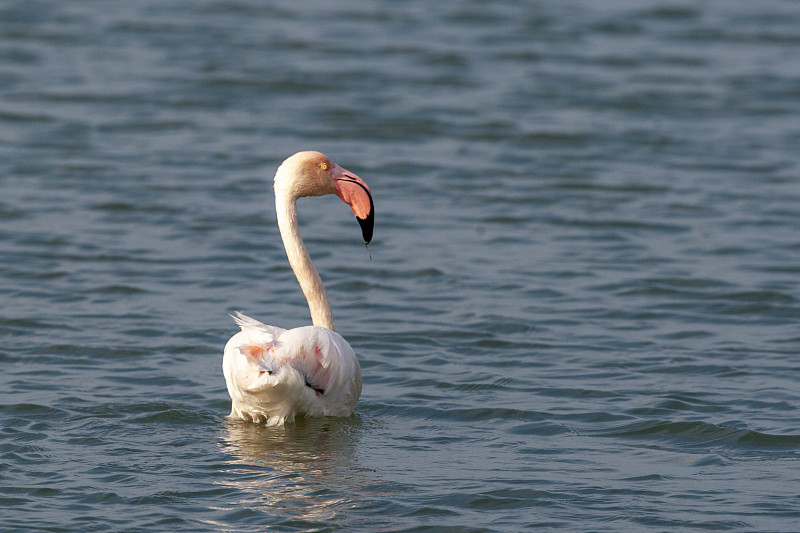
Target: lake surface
{"points": [[580, 311]]}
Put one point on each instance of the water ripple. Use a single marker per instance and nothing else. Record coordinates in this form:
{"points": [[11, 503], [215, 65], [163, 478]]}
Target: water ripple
{"points": [[578, 313]]}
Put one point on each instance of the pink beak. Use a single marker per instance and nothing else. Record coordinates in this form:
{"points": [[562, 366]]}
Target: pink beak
{"points": [[355, 193]]}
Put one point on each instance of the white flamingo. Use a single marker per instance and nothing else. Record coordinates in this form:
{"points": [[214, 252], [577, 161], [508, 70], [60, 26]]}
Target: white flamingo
{"points": [[274, 374]]}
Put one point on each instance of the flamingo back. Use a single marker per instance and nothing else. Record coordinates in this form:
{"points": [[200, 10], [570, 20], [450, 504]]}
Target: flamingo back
{"points": [[274, 374]]}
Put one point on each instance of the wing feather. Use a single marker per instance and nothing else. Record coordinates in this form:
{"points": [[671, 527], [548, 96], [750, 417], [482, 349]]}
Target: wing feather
{"points": [[251, 325], [264, 363], [258, 342], [323, 356]]}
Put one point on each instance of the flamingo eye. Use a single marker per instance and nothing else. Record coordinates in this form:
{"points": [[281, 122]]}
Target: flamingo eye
{"points": [[324, 166]]}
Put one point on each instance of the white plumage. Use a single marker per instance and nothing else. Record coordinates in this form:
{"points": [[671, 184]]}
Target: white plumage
{"points": [[274, 374]]}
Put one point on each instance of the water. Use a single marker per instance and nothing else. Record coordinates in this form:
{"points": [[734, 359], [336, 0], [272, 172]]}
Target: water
{"points": [[581, 311]]}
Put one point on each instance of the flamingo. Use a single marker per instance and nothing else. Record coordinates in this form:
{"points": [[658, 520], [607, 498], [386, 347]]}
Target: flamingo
{"points": [[274, 374]]}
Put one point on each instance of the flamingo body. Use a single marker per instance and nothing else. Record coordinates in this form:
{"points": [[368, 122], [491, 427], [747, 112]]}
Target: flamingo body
{"points": [[273, 374]]}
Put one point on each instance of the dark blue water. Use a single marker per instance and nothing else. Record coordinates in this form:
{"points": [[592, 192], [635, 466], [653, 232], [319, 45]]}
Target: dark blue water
{"points": [[582, 307]]}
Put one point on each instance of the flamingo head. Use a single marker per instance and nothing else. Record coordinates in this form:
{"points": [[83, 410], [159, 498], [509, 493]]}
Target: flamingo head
{"points": [[313, 174]]}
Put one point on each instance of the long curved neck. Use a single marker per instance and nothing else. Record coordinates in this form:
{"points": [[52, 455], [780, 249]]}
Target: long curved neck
{"points": [[300, 261]]}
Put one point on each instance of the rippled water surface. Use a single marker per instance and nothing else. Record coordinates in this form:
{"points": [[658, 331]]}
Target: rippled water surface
{"points": [[580, 311]]}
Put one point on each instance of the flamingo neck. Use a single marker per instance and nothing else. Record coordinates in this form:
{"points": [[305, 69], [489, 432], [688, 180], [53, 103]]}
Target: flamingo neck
{"points": [[300, 261]]}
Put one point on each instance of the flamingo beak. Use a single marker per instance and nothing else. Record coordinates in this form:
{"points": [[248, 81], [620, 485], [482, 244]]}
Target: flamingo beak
{"points": [[355, 193]]}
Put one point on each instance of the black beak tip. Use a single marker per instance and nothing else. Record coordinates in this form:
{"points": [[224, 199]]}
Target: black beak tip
{"points": [[366, 226]]}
